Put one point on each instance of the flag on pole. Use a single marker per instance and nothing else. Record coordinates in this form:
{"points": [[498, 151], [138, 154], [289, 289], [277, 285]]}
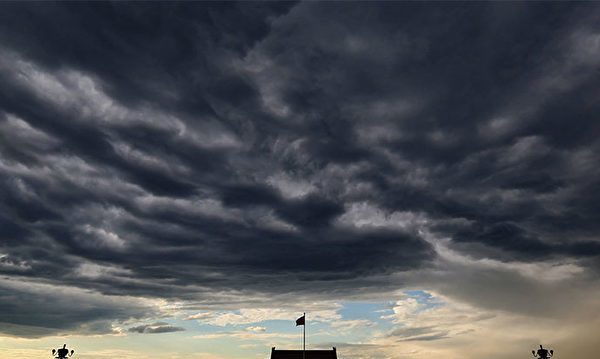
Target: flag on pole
{"points": [[302, 321]]}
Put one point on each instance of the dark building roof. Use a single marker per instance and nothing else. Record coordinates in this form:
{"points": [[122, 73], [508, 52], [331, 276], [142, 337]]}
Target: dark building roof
{"points": [[297, 354]]}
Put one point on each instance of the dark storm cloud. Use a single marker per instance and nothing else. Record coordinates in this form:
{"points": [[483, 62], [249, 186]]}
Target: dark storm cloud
{"points": [[179, 150], [36, 310], [311, 211]]}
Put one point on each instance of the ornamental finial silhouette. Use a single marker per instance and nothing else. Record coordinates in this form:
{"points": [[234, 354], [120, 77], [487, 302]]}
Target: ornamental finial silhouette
{"points": [[62, 353], [542, 353]]}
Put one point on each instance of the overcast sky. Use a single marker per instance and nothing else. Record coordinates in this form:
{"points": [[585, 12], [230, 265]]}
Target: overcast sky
{"points": [[186, 179]]}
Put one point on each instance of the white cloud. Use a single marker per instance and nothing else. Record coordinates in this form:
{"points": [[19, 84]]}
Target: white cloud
{"points": [[257, 315], [365, 214], [256, 329], [96, 271], [290, 187], [100, 237]]}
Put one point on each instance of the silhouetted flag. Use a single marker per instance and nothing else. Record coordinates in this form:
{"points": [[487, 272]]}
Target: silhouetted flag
{"points": [[300, 321]]}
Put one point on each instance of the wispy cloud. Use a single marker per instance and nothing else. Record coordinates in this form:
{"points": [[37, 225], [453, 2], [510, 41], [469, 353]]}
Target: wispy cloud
{"points": [[155, 328]]}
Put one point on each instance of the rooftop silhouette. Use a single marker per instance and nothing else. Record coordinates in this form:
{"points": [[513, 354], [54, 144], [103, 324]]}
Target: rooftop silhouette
{"points": [[298, 354]]}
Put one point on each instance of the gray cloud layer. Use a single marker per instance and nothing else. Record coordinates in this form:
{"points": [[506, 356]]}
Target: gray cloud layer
{"points": [[181, 150], [155, 328]]}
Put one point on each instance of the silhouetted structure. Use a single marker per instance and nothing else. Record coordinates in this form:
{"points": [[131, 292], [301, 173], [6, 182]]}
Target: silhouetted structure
{"points": [[62, 353], [542, 353], [297, 354]]}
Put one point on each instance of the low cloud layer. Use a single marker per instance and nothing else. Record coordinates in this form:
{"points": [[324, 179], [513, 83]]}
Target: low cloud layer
{"points": [[33, 310], [155, 328], [214, 154]]}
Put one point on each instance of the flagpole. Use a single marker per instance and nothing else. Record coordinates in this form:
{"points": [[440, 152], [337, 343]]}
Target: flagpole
{"points": [[304, 339]]}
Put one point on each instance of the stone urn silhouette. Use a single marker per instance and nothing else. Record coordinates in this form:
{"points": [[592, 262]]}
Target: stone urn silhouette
{"points": [[543, 353], [62, 353]]}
